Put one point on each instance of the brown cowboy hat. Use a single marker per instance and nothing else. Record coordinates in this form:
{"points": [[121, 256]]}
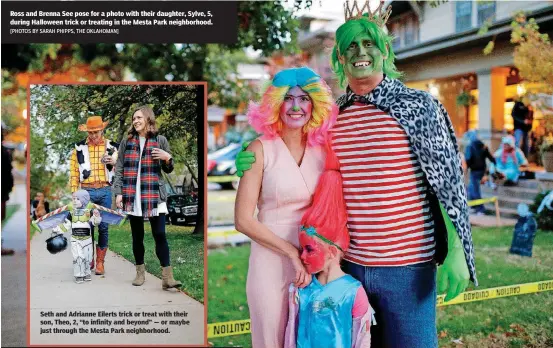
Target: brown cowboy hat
{"points": [[93, 123]]}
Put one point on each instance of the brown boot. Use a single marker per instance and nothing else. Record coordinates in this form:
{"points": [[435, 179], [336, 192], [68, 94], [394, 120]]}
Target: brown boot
{"points": [[140, 276], [167, 280], [100, 255]]}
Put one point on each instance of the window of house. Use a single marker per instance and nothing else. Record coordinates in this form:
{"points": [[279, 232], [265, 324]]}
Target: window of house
{"points": [[463, 15], [405, 29], [411, 32], [486, 10], [395, 29]]}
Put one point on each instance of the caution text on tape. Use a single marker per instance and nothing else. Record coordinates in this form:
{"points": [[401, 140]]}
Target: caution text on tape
{"points": [[228, 328], [239, 327]]}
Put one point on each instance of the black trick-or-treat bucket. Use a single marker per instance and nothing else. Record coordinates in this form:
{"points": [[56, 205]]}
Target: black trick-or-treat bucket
{"points": [[56, 243]]}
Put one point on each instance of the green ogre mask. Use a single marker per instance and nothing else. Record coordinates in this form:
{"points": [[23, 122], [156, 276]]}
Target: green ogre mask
{"points": [[362, 49]]}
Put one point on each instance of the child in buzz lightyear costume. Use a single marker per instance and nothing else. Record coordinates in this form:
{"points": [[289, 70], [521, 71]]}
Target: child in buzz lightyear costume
{"points": [[79, 216]]}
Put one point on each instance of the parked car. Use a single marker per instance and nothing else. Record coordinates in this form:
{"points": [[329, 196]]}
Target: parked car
{"points": [[221, 166], [183, 208]]}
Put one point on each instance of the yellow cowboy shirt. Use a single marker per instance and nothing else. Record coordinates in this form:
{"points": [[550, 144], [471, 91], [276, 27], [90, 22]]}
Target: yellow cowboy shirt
{"points": [[97, 167]]}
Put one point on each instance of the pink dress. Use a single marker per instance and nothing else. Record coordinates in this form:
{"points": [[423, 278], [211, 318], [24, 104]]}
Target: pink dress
{"points": [[286, 192]]}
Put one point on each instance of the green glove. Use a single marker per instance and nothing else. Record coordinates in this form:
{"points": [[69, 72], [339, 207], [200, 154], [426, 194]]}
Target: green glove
{"points": [[453, 275], [244, 160]]}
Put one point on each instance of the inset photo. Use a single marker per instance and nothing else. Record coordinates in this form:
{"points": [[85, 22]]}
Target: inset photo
{"points": [[116, 250]]}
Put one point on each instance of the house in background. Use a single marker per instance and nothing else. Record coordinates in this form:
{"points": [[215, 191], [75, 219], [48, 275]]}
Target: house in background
{"points": [[439, 50], [221, 119]]}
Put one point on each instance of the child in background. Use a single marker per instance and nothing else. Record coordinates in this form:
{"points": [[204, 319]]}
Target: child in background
{"points": [[333, 310], [476, 154]]}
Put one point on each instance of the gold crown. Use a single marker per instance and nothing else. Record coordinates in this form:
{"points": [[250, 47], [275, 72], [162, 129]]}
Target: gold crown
{"points": [[378, 16]]}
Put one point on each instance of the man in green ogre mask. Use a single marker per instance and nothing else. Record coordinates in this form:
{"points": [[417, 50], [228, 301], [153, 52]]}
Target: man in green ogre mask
{"points": [[403, 187]]}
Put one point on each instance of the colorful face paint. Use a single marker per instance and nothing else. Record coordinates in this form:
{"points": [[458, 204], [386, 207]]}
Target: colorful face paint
{"points": [[313, 254], [296, 108], [362, 58]]}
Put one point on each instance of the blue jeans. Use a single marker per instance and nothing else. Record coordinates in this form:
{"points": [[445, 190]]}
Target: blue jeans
{"points": [[101, 196], [404, 301], [474, 188], [521, 141]]}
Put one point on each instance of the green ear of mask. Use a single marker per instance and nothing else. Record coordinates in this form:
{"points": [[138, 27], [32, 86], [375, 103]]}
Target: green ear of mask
{"points": [[244, 160], [453, 275]]}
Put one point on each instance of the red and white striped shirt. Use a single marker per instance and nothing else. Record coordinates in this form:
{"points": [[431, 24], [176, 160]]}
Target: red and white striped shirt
{"points": [[389, 217]]}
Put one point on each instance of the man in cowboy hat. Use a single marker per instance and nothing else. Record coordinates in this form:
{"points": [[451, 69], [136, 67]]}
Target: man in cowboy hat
{"points": [[92, 169]]}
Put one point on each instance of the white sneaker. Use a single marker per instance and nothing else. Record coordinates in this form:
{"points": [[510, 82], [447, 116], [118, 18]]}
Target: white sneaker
{"points": [[79, 280], [87, 278]]}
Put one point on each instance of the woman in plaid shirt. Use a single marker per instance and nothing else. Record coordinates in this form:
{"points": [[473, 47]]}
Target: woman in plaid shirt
{"points": [[140, 189]]}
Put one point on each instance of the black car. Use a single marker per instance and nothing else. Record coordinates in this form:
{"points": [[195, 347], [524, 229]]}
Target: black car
{"points": [[183, 208]]}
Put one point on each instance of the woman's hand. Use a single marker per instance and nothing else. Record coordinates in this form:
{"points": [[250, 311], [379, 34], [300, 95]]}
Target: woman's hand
{"points": [[119, 201], [159, 154], [302, 278]]}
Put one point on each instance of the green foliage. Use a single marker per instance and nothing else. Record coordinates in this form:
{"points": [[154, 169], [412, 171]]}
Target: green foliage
{"points": [[465, 99], [263, 25], [479, 324], [545, 218], [186, 254], [546, 145], [58, 110]]}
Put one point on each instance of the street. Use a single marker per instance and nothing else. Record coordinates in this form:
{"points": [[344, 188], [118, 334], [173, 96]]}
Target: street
{"points": [[220, 205]]}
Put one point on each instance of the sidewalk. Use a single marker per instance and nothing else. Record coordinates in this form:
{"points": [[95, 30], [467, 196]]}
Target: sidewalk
{"points": [[53, 289], [14, 273]]}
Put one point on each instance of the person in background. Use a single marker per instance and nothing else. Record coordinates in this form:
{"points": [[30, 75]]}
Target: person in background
{"points": [[7, 183], [523, 117], [509, 160], [476, 154], [40, 206]]}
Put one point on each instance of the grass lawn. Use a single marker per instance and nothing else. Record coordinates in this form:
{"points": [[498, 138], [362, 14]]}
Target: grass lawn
{"points": [[187, 254], [518, 321]]}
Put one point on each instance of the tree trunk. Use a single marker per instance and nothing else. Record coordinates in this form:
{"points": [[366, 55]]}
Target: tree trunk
{"points": [[200, 127]]}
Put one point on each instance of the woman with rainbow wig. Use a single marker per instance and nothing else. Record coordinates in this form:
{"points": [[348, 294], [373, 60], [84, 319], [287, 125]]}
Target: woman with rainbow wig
{"points": [[294, 114]]}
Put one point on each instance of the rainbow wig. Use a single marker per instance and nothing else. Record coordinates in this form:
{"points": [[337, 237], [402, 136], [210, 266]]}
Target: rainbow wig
{"points": [[347, 32], [265, 116], [328, 214]]}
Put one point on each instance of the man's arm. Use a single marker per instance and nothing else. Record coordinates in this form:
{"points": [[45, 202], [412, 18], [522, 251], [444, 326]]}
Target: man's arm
{"points": [[74, 174], [453, 275]]}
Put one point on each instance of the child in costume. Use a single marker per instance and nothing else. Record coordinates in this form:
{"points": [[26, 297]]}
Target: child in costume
{"points": [[333, 310], [78, 217]]}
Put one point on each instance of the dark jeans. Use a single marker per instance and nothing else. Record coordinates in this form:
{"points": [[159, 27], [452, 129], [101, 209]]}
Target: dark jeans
{"points": [[404, 301], [158, 232], [101, 196], [474, 188], [521, 141]]}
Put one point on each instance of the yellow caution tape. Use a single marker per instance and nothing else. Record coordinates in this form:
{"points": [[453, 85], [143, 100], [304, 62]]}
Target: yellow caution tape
{"points": [[502, 291], [228, 328], [482, 201], [239, 327], [221, 233], [224, 178]]}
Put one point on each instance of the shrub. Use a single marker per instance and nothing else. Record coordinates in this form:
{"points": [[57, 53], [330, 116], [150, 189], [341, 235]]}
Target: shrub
{"points": [[545, 218]]}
